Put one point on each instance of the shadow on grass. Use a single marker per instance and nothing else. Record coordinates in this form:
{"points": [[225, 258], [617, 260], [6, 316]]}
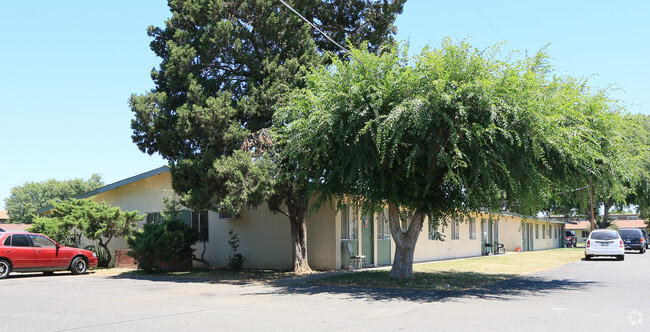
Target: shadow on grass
{"points": [[210, 277], [508, 288], [358, 286]]}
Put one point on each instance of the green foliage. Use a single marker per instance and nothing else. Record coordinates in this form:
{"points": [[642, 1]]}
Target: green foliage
{"points": [[65, 231], [25, 200], [156, 243], [445, 132], [449, 132], [96, 221], [235, 259], [103, 258], [225, 66]]}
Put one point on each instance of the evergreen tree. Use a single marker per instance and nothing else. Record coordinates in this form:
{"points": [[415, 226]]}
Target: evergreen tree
{"points": [[225, 65]]}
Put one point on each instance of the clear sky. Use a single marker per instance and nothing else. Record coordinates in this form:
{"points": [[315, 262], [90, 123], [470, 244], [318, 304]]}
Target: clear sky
{"points": [[67, 69]]}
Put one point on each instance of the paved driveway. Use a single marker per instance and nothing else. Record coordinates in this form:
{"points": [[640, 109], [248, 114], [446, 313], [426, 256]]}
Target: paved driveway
{"points": [[599, 295]]}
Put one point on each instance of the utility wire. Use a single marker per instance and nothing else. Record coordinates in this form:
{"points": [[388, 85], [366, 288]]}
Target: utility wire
{"points": [[377, 12], [326, 36]]}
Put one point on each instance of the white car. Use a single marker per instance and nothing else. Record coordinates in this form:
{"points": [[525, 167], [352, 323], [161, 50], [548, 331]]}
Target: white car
{"points": [[605, 242]]}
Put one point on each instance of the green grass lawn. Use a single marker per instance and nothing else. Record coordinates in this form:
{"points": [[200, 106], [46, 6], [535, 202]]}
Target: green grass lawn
{"points": [[462, 274]]}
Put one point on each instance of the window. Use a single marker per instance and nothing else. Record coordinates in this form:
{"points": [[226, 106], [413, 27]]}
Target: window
{"points": [[406, 222], [455, 232], [383, 228], [472, 228], [225, 215], [18, 240], [537, 231], [200, 224], [543, 231], [154, 218], [585, 233], [496, 230], [349, 223], [197, 220], [549, 232], [42, 241]]}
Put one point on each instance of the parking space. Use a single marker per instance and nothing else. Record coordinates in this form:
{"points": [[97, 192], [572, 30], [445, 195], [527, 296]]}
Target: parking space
{"points": [[598, 294]]}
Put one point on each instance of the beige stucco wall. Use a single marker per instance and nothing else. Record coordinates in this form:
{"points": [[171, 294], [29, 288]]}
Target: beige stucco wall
{"points": [[265, 239], [542, 241], [510, 232], [144, 196]]}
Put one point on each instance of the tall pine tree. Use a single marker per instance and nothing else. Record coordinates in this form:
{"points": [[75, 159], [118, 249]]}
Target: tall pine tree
{"points": [[225, 65]]}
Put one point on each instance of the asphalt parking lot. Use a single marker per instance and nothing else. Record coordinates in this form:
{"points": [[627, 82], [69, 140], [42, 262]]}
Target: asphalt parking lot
{"points": [[597, 295]]}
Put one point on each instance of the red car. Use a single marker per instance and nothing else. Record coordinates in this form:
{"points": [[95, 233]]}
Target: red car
{"points": [[30, 252]]}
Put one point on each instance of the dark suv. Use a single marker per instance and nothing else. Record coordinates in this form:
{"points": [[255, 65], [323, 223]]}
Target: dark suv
{"points": [[633, 239]]}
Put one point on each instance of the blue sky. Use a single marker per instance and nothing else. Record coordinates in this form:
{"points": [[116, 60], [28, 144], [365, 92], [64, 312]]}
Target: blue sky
{"points": [[67, 69]]}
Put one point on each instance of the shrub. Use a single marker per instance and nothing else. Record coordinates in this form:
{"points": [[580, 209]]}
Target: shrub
{"points": [[103, 259], [162, 242], [235, 259], [62, 230]]}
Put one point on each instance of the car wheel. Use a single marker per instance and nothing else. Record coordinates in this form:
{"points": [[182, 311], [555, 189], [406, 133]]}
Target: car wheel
{"points": [[5, 268], [620, 257], [641, 250], [587, 257], [78, 265]]}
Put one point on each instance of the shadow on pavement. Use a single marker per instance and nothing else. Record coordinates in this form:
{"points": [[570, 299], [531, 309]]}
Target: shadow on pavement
{"points": [[503, 290]]}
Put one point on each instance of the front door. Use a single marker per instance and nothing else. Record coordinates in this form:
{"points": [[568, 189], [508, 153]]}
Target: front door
{"points": [[530, 238], [383, 239], [484, 236], [490, 232], [367, 240]]}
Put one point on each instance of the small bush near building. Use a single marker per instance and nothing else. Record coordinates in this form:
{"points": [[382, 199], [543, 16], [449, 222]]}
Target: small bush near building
{"points": [[162, 242], [235, 259]]}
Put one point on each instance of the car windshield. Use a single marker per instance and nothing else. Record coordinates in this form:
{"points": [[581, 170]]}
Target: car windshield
{"points": [[629, 233], [610, 235]]}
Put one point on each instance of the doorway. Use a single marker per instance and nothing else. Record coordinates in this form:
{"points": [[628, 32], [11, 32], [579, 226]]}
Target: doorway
{"points": [[367, 238]]}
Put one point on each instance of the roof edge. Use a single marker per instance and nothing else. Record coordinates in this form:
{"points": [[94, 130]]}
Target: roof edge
{"points": [[115, 185]]}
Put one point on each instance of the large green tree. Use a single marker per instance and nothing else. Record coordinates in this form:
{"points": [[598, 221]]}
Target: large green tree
{"points": [[225, 65], [25, 200], [612, 147], [450, 132], [96, 221]]}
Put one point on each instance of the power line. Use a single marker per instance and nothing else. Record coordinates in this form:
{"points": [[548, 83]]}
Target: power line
{"points": [[326, 36]]}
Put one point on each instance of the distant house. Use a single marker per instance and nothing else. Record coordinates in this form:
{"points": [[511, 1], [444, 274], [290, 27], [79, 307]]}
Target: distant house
{"points": [[4, 217], [15, 227], [265, 237], [583, 227]]}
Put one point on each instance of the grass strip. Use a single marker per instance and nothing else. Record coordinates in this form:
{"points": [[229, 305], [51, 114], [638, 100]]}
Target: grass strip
{"points": [[462, 274]]}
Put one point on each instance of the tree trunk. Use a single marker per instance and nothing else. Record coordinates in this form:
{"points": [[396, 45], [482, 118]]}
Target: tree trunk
{"points": [[108, 252], [591, 204], [404, 242], [606, 206], [298, 220]]}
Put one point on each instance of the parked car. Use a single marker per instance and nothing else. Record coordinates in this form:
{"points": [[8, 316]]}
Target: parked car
{"points": [[605, 242], [633, 239], [570, 239], [30, 252], [645, 234]]}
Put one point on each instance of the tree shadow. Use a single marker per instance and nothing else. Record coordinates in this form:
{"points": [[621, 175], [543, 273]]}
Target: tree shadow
{"points": [[505, 290], [209, 277]]}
